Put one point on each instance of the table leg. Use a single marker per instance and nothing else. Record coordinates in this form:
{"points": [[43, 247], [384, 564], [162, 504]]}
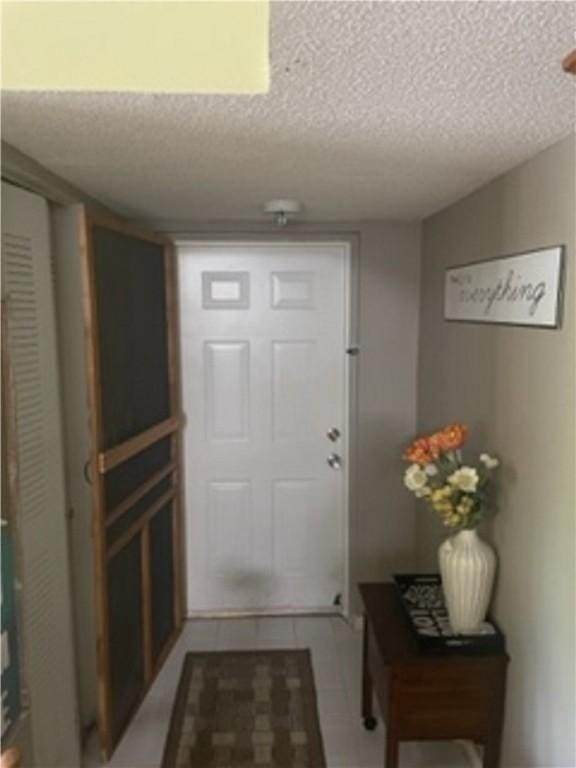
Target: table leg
{"points": [[392, 750], [367, 690], [493, 742], [491, 757]]}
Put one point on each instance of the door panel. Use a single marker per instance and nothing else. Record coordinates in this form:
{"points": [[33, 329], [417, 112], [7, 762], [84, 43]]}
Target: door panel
{"points": [[130, 296], [294, 380], [264, 331], [231, 529], [122, 481], [135, 407], [161, 559], [118, 525], [227, 386], [291, 508], [125, 616]]}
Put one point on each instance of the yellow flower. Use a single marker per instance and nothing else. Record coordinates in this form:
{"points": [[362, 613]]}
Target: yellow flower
{"points": [[441, 494]]}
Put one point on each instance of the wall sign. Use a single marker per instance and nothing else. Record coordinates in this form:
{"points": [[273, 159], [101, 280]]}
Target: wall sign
{"points": [[516, 290]]}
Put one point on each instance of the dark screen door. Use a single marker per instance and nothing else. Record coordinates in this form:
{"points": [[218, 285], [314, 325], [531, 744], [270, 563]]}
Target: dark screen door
{"points": [[131, 327]]}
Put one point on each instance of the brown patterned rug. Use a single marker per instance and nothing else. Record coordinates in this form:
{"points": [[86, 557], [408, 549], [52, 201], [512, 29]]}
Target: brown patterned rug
{"points": [[245, 709]]}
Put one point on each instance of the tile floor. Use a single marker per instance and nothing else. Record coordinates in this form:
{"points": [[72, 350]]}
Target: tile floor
{"points": [[336, 654]]}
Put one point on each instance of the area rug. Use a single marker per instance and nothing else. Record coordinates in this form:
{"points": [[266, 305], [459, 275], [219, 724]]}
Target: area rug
{"points": [[245, 709]]}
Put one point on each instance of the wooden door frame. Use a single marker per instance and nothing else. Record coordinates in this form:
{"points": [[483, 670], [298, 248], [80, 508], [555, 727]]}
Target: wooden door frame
{"points": [[102, 461]]}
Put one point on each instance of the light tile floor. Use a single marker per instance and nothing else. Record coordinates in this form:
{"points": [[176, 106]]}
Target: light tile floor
{"points": [[336, 654]]}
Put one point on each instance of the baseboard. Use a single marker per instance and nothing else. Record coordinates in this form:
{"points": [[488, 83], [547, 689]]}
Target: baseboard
{"points": [[264, 613], [470, 752]]}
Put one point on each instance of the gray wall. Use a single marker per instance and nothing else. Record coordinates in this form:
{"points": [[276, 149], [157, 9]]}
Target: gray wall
{"points": [[386, 258], [515, 389], [383, 539]]}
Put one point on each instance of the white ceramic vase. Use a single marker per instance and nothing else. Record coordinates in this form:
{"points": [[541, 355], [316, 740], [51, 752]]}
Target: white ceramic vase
{"points": [[467, 566]]}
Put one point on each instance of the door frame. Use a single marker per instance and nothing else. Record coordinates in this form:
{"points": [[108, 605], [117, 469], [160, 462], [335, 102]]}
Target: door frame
{"points": [[351, 252]]}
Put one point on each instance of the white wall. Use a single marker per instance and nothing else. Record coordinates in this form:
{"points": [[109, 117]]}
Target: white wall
{"points": [[515, 389]]}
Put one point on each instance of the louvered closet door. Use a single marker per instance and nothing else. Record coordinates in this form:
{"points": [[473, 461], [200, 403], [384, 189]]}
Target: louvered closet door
{"points": [[28, 293], [130, 284]]}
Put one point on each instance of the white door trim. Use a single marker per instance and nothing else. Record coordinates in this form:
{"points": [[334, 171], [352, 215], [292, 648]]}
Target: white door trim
{"points": [[351, 270]]}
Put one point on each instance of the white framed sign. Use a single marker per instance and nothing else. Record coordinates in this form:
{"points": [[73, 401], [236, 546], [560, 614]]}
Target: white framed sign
{"points": [[524, 289]]}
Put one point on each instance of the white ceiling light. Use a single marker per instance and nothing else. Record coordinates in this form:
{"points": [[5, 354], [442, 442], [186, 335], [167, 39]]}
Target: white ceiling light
{"points": [[282, 210]]}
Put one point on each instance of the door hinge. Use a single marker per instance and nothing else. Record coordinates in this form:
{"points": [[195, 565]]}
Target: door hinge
{"points": [[353, 351], [337, 599]]}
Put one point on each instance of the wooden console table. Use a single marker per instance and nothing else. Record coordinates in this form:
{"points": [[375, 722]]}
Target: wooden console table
{"points": [[424, 696]]}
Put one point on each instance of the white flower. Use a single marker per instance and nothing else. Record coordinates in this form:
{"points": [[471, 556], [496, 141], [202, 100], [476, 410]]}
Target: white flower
{"points": [[489, 462], [415, 478], [421, 493], [465, 478], [431, 470]]}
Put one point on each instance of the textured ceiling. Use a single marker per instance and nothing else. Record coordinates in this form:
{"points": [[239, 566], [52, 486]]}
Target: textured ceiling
{"points": [[376, 110]]}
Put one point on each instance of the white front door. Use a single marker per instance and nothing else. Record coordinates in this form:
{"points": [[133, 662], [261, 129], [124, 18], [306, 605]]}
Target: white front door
{"points": [[264, 332]]}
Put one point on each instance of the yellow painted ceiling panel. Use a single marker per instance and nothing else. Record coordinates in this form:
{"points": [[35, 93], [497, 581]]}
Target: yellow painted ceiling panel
{"points": [[203, 46]]}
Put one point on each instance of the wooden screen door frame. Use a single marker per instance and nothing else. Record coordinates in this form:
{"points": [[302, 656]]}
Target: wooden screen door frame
{"points": [[101, 461]]}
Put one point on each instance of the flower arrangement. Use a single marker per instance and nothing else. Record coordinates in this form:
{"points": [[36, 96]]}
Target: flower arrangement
{"points": [[457, 492]]}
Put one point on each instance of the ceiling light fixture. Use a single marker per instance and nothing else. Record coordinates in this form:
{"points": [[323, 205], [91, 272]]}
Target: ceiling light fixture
{"points": [[282, 210]]}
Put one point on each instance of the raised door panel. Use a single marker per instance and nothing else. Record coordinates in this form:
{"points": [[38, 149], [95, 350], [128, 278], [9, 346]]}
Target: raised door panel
{"points": [[293, 389], [293, 290], [229, 528], [227, 390], [293, 505]]}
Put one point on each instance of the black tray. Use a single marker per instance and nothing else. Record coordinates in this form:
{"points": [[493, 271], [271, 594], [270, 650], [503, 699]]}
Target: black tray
{"points": [[422, 598]]}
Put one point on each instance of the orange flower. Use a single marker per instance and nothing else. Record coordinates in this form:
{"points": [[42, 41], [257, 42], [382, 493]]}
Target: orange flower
{"points": [[419, 451], [451, 437], [435, 445], [425, 450]]}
